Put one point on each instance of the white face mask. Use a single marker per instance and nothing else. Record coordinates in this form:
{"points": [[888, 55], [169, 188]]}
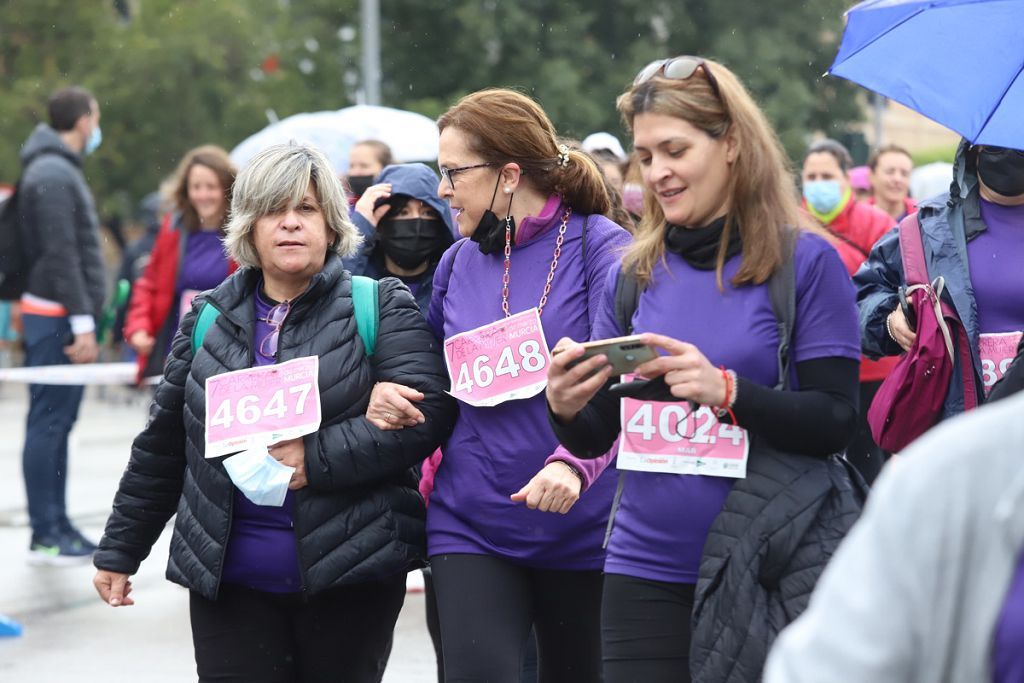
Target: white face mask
{"points": [[259, 477]]}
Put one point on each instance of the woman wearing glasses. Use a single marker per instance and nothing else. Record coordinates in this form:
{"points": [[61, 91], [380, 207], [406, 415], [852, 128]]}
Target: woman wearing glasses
{"points": [[687, 589], [310, 584], [501, 561]]}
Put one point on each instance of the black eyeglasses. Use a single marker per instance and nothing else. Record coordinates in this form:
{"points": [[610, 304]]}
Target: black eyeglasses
{"points": [[449, 173], [677, 69], [268, 346]]}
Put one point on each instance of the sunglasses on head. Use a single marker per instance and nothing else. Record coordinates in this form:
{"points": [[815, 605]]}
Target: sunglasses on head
{"points": [[677, 69]]}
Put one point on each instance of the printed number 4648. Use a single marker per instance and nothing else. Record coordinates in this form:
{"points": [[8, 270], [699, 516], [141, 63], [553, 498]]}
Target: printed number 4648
{"points": [[248, 412], [483, 375]]}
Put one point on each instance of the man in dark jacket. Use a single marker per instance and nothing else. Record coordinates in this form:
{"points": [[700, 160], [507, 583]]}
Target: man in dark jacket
{"points": [[60, 307]]}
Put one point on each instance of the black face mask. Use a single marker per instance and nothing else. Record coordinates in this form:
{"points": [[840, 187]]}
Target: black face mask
{"points": [[1002, 170], [410, 242], [490, 231], [359, 184]]}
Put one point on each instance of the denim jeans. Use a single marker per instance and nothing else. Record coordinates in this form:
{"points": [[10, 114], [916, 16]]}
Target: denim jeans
{"points": [[52, 413]]}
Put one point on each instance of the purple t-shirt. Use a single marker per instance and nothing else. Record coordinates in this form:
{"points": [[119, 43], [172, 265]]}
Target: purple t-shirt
{"points": [[204, 266], [995, 258], [493, 452], [1008, 648], [664, 519], [262, 552]]}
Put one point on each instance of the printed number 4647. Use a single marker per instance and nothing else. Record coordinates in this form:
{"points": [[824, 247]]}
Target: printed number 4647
{"points": [[248, 411]]}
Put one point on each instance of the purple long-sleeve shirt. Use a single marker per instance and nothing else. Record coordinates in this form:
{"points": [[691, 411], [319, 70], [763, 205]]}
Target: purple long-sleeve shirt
{"points": [[494, 451]]}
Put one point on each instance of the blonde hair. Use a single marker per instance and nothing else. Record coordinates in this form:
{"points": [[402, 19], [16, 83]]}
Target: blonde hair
{"points": [[761, 194], [175, 190], [275, 180], [505, 126]]}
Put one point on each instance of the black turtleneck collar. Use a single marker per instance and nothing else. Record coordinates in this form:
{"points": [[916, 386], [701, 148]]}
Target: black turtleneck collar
{"points": [[699, 246]]}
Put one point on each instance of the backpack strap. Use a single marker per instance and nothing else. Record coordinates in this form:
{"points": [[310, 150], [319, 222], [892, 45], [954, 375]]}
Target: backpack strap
{"points": [[915, 268], [782, 292], [207, 314], [627, 299], [365, 298]]}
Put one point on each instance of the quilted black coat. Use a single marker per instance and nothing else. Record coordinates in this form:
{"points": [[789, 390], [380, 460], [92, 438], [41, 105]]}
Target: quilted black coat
{"points": [[361, 516], [764, 554]]}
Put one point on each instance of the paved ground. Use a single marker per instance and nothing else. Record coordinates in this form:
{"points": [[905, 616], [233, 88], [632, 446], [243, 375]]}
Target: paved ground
{"points": [[69, 635]]}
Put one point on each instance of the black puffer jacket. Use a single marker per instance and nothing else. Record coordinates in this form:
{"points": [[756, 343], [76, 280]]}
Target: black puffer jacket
{"points": [[361, 516], [62, 230], [763, 556]]}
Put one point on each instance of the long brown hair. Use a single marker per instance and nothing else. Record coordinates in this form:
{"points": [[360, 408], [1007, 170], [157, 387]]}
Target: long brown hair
{"points": [[175, 190], [761, 193], [505, 126]]}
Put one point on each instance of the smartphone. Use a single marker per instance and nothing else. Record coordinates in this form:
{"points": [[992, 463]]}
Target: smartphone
{"points": [[624, 353]]}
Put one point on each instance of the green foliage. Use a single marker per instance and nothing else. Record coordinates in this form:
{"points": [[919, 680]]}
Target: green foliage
{"points": [[931, 155], [181, 73]]}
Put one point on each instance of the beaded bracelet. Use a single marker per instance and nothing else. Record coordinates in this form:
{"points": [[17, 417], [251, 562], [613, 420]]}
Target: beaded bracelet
{"points": [[729, 377]]}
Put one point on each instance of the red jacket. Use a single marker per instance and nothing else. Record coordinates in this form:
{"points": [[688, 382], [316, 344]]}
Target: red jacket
{"points": [[909, 206], [856, 229], [153, 291]]}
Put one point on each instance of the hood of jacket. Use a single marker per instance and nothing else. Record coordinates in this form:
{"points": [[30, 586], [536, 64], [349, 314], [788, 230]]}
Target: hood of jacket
{"points": [[419, 182], [45, 140], [963, 199]]}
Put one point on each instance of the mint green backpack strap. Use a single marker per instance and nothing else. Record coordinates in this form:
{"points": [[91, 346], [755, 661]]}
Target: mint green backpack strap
{"points": [[207, 314], [364, 298]]}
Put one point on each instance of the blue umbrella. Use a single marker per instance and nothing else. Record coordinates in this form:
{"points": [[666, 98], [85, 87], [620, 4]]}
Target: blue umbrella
{"points": [[958, 62]]}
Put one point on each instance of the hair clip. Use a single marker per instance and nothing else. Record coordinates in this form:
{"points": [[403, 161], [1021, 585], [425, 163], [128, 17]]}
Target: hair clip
{"points": [[563, 156]]}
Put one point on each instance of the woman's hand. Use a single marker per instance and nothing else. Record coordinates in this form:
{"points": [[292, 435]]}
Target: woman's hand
{"points": [[898, 328], [367, 204], [391, 407], [688, 374], [142, 342], [569, 390], [293, 454], [556, 488], [114, 588]]}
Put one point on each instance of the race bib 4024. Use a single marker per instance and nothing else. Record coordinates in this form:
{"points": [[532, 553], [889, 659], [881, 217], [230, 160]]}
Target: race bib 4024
{"points": [[668, 437]]}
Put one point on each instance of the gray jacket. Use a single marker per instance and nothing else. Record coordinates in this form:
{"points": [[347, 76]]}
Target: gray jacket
{"points": [[63, 241], [914, 592]]}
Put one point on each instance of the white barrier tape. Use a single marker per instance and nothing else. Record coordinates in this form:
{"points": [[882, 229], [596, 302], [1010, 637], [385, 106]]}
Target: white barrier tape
{"points": [[89, 373]]}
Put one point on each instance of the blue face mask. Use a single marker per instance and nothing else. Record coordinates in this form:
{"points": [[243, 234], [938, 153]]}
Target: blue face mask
{"points": [[823, 195], [94, 141], [260, 477]]}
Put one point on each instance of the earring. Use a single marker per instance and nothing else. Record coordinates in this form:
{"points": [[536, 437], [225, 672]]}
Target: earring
{"points": [[507, 189]]}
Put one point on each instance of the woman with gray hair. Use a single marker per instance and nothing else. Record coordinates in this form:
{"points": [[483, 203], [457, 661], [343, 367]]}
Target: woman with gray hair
{"points": [[294, 548]]}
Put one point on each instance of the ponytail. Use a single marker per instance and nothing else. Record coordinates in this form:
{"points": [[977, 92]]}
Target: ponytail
{"points": [[581, 185]]}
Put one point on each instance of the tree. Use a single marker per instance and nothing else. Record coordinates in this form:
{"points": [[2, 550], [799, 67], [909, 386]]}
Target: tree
{"points": [[173, 74]]}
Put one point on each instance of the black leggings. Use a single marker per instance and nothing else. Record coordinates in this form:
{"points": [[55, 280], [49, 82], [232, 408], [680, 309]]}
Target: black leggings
{"points": [[340, 635], [645, 630], [528, 670], [487, 605]]}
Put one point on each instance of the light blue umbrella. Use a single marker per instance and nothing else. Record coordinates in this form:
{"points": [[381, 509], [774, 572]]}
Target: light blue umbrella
{"points": [[958, 62]]}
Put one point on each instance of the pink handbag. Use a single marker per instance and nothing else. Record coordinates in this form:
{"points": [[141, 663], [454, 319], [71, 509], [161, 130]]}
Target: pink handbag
{"points": [[910, 400]]}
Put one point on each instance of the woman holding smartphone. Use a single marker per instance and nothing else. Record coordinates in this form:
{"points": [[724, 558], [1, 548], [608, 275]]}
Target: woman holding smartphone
{"points": [[719, 221]]}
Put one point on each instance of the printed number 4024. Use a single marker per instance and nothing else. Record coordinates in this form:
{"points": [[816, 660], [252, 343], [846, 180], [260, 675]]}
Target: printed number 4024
{"points": [[483, 375], [248, 412]]}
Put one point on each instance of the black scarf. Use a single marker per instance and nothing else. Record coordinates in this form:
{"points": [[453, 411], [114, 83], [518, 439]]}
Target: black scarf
{"points": [[699, 246]]}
